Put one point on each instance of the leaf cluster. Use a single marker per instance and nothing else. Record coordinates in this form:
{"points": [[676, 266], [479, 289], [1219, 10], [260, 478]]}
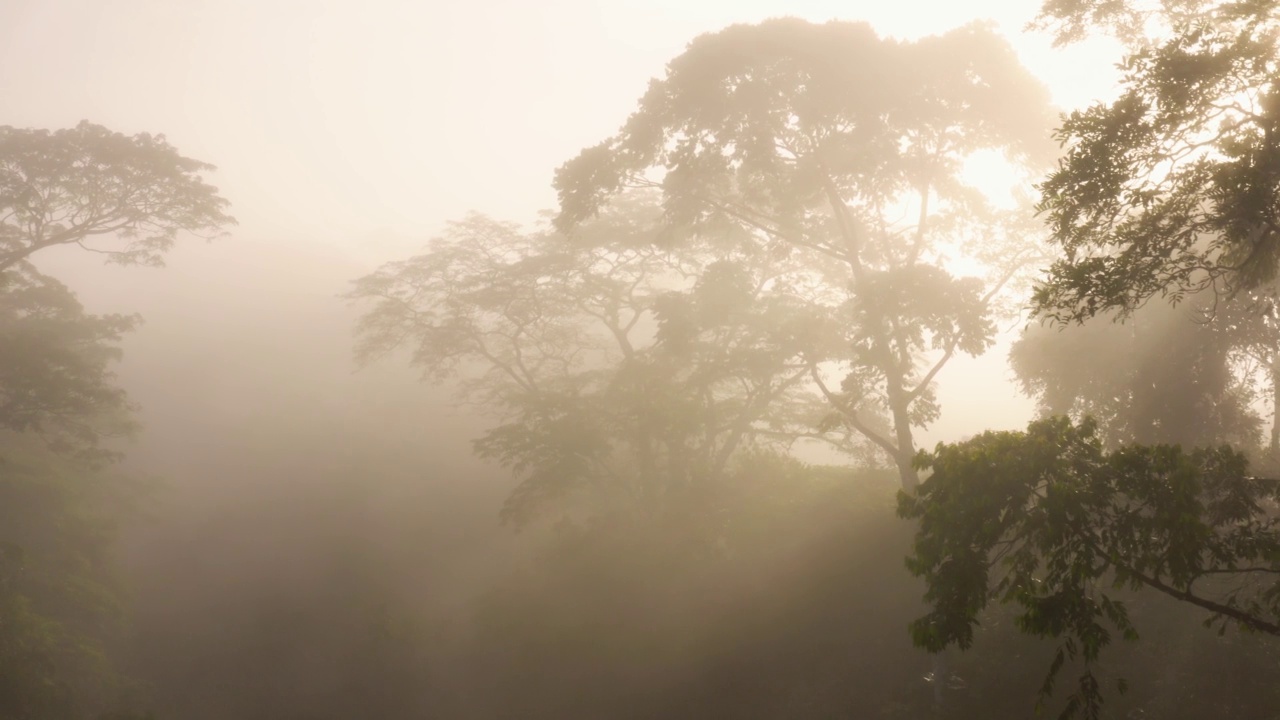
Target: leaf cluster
{"points": [[72, 186], [55, 366], [1049, 521], [614, 365], [1171, 188]]}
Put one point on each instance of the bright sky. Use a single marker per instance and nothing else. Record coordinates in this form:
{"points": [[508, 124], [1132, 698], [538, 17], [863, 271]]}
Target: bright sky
{"points": [[356, 123], [342, 119]]}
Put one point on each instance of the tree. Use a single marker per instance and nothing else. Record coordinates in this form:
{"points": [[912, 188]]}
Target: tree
{"points": [[1171, 188], [1166, 375], [617, 369], [813, 140], [1167, 191], [60, 407], [87, 183], [55, 378], [1058, 521]]}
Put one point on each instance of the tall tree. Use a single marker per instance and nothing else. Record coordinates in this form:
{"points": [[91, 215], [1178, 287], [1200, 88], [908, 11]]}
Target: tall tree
{"points": [[615, 367], [126, 197], [1171, 188], [1167, 191], [816, 141], [60, 407]]}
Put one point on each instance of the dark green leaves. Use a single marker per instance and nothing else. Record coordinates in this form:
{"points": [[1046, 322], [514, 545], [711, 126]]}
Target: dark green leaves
{"points": [[1049, 521], [1171, 188]]}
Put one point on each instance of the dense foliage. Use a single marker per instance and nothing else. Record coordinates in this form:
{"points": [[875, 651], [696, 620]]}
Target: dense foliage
{"points": [[1169, 189], [61, 409], [777, 254], [1058, 520], [135, 194], [815, 142]]}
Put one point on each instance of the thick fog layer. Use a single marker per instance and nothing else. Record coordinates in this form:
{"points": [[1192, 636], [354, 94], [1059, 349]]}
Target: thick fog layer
{"points": [[607, 360]]}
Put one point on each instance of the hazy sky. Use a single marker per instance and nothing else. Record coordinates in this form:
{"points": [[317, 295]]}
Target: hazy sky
{"points": [[369, 124], [342, 119]]}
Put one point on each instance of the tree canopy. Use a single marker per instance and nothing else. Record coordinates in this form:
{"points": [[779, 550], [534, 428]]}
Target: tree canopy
{"points": [[1171, 188], [1165, 192], [815, 141], [126, 197], [615, 368], [1048, 520], [61, 409]]}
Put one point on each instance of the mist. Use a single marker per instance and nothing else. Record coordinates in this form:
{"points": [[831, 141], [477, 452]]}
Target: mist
{"points": [[617, 360]]}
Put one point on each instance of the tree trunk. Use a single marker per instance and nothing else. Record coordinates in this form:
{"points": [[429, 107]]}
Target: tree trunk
{"points": [[901, 409], [941, 675]]}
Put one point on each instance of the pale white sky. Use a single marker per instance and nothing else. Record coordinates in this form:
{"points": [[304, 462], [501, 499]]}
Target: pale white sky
{"points": [[340, 119], [367, 125]]}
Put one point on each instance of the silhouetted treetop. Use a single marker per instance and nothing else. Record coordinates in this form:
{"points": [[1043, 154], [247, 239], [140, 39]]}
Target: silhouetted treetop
{"points": [[133, 194], [1049, 521], [763, 121], [1131, 21], [1172, 188]]}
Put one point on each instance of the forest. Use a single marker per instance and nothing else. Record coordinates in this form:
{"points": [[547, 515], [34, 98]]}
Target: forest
{"points": [[669, 448]]}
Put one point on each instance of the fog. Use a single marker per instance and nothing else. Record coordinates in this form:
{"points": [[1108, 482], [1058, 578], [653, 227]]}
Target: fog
{"points": [[311, 532], [360, 131]]}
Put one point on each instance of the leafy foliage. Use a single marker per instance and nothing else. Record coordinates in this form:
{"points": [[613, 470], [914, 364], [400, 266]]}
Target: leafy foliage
{"points": [[69, 187], [58, 600], [55, 377], [59, 405], [1171, 188], [814, 141], [1163, 192], [617, 370], [1164, 376], [1048, 520]]}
